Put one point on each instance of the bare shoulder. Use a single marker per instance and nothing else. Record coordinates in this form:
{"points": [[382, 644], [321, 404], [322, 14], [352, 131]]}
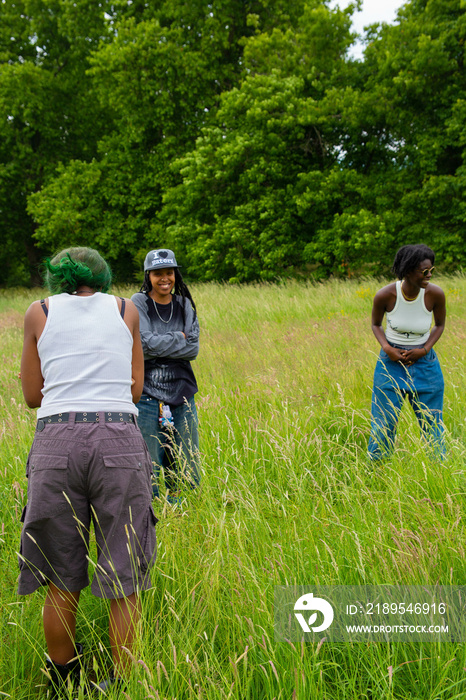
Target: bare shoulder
{"points": [[120, 300], [34, 320], [132, 308], [435, 291], [33, 308], [34, 312], [434, 297], [131, 314], [386, 295]]}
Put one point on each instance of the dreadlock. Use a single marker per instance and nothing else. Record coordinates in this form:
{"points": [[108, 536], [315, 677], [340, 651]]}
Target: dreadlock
{"points": [[409, 257], [180, 288]]}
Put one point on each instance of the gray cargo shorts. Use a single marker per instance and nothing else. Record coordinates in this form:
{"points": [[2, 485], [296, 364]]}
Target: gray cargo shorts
{"points": [[83, 472]]}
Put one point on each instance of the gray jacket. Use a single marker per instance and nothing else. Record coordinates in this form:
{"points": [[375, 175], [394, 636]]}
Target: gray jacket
{"points": [[167, 340]]}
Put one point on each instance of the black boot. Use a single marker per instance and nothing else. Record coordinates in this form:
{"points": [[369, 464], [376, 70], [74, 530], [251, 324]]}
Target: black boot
{"points": [[60, 675], [112, 682]]}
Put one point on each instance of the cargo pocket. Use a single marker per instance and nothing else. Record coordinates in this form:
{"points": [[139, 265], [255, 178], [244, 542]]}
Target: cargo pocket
{"points": [[126, 482], [47, 481], [21, 562], [149, 542]]}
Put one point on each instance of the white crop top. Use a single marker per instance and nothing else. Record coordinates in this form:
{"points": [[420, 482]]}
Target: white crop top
{"points": [[409, 322], [85, 352]]}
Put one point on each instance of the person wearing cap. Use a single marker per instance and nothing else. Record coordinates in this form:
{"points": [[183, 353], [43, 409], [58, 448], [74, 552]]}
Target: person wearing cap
{"points": [[169, 330], [82, 367]]}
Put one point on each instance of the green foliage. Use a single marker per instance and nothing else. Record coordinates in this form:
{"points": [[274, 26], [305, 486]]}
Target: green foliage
{"points": [[403, 123], [160, 80], [247, 211], [241, 134], [268, 133], [48, 112], [382, 161]]}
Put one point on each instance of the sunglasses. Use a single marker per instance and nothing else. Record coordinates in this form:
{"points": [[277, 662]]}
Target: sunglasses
{"points": [[427, 270]]}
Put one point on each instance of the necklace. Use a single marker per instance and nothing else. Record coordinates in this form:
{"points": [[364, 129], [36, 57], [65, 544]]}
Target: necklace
{"points": [[157, 311], [406, 297], [83, 291]]}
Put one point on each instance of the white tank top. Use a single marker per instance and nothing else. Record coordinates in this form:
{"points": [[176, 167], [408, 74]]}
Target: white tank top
{"points": [[85, 352], [409, 322]]}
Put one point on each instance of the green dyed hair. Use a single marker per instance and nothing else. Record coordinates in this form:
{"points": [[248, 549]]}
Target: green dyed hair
{"points": [[72, 267]]}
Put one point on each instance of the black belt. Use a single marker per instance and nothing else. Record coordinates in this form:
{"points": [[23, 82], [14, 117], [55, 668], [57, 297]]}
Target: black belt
{"points": [[87, 417]]}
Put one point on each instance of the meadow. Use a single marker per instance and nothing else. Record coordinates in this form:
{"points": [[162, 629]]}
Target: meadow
{"points": [[286, 498]]}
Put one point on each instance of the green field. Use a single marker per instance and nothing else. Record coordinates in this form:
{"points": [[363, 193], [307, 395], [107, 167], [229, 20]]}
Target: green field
{"points": [[287, 497]]}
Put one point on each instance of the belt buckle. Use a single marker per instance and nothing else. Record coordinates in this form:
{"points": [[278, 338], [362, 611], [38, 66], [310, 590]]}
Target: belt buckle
{"points": [[40, 425]]}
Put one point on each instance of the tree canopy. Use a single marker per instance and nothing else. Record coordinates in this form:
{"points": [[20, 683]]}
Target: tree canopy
{"points": [[241, 134]]}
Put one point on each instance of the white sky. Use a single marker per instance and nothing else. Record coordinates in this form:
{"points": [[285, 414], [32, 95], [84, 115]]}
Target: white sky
{"points": [[372, 11]]}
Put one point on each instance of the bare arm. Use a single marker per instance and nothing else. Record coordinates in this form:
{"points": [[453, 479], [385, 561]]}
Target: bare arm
{"points": [[32, 381], [137, 362], [440, 315], [436, 297], [384, 301]]}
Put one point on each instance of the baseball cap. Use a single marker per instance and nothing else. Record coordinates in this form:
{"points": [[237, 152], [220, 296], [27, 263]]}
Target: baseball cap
{"points": [[158, 259]]}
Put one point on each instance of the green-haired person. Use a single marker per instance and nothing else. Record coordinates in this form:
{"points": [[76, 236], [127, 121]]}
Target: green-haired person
{"points": [[82, 367]]}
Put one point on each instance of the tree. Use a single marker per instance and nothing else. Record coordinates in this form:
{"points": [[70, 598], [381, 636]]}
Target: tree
{"points": [[239, 213], [387, 167], [160, 79], [241, 134], [402, 125], [47, 111]]}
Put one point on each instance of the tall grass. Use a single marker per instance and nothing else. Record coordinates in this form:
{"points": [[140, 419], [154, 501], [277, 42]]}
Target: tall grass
{"points": [[286, 497]]}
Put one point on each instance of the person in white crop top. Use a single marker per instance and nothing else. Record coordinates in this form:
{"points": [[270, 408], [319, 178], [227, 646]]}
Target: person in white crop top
{"points": [[407, 364], [82, 365]]}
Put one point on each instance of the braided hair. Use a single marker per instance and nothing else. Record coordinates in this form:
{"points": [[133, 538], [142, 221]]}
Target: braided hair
{"points": [[72, 267], [180, 288], [408, 257]]}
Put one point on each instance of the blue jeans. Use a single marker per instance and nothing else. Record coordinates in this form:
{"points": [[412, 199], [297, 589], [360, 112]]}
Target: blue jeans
{"points": [[423, 383], [175, 450]]}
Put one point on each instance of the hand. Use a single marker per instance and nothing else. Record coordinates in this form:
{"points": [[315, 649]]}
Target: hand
{"points": [[411, 356], [395, 354]]}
